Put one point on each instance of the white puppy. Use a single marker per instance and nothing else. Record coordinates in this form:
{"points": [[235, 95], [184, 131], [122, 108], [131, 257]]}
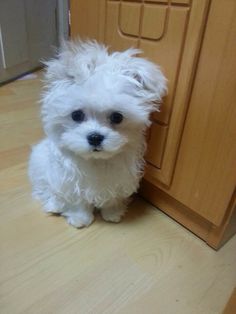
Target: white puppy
{"points": [[95, 110]]}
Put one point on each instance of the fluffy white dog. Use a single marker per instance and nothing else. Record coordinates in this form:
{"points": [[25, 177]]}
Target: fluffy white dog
{"points": [[95, 110]]}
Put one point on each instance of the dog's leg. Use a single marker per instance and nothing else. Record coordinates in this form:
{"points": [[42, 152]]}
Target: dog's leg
{"points": [[51, 203], [114, 210], [80, 215]]}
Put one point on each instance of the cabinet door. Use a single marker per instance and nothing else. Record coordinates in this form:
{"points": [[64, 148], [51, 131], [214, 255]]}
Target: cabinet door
{"points": [[205, 173], [169, 33]]}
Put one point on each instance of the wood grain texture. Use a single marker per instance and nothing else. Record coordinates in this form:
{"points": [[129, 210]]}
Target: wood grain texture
{"points": [[176, 210], [205, 172], [214, 236], [130, 18], [231, 305], [218, 235], [153, 21], [146, 264], [87, 19], [156, 139]]}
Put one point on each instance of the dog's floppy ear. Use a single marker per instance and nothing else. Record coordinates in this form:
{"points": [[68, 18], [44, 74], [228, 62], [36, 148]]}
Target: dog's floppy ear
{"points": [[150, 82], [56, 69], [151, 79]]}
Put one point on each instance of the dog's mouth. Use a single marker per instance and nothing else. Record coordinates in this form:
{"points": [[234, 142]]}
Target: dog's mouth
{"points": [[99, 153], [97, 150]]}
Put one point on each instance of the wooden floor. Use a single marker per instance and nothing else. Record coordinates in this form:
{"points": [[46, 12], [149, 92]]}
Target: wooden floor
{"points": [[146, 264]]}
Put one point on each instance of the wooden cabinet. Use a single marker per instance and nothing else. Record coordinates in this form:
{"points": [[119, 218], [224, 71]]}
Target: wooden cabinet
{"points": [[191, 153]]}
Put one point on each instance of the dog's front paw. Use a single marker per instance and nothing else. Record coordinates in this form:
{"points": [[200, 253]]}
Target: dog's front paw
{"points": [[53, 206], [80, 220], [112, 215]]}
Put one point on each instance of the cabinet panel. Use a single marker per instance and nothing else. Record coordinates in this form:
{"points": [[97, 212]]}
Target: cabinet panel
{"points": [[88, 19], [162, 31], [154, 20], [156, 141], [113, 34], [167, 50], [129, 18]]}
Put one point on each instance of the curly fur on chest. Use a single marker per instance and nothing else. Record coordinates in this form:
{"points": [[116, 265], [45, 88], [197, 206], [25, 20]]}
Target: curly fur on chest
{"points": [[96, 181]]}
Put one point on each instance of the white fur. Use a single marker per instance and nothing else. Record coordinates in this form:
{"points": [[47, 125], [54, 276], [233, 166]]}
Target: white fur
{"points": [[67, 175]]}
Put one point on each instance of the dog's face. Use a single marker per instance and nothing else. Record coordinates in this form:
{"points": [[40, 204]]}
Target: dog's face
{"points": [[98, 104]]}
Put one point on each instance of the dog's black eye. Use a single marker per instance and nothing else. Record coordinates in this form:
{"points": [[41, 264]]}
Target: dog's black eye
{"points": [[78, 116], [116, 117]]}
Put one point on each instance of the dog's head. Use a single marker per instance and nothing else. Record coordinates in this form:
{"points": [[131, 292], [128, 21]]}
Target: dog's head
{"points": [[97, 103]]}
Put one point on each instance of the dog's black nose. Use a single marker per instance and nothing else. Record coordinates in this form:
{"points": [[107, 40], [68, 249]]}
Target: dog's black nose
{"points": [[95, 139]]}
